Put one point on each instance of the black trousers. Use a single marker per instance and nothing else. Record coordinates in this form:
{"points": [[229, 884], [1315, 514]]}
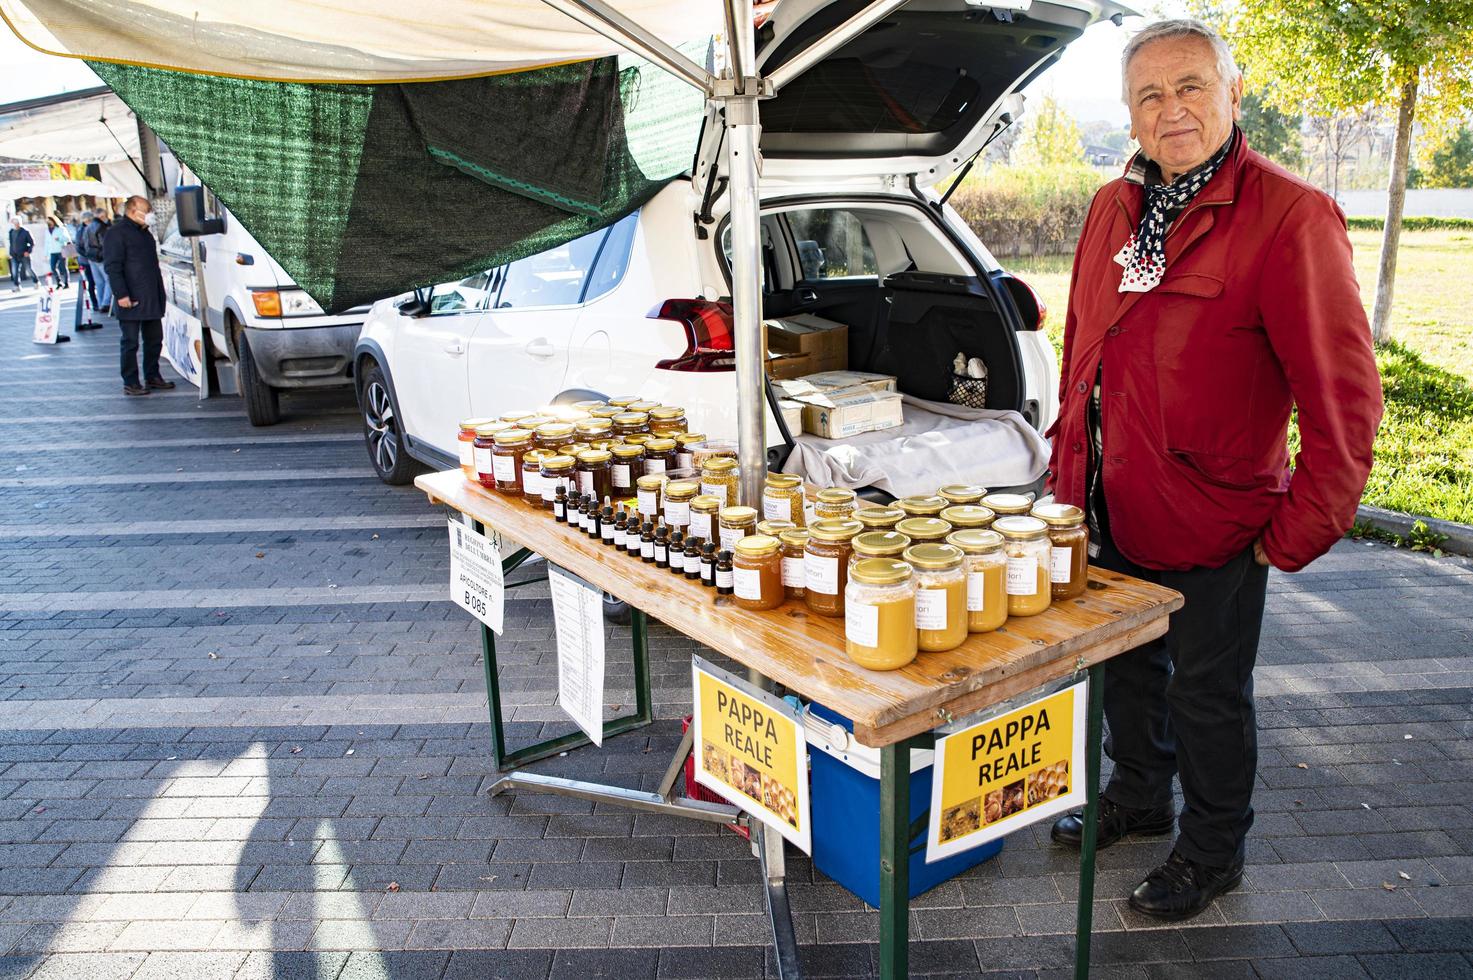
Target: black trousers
{"points": [[1182, 705], [152, 333], [20, 271]]}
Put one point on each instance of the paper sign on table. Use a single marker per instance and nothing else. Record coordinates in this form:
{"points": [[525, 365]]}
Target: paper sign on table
{"points": [[578, 612], [476, 583], [1007, 772], [750, 749]]}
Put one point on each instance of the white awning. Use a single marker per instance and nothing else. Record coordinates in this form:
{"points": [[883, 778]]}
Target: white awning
{"points": [[362, 41], [11, 190], [90, 128]]}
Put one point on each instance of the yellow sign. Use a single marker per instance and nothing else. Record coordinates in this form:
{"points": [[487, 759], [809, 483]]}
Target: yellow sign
{"points": [[750, 749], [1007, 772]]}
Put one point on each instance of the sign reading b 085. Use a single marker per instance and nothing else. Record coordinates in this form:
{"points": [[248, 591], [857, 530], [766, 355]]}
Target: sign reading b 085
{"points": [[476, 583]]}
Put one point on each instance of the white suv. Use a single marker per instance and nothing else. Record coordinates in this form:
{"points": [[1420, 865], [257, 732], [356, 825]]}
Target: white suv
{"points": [[854, 230]]}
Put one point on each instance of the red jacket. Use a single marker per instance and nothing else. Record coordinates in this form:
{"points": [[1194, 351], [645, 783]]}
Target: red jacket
{"points": [[1258, 313]]}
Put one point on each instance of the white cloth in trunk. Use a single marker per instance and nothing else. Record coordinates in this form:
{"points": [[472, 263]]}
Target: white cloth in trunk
{"points": [[939, 443]]}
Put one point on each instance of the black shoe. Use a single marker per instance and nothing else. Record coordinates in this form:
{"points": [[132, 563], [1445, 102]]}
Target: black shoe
{"points": [[1181, 888], [1115, 822], [134, 390], [160, 384]]}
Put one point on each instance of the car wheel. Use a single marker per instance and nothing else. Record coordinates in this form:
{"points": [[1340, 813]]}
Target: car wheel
{"points": [[382, 433], [262, 405], [616, 611]]}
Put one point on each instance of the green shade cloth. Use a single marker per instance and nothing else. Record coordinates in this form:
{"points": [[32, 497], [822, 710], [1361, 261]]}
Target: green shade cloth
{"points": [[366, 191]]}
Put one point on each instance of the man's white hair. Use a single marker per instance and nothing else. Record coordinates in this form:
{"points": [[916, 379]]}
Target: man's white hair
{"points": [[1227, 68]]}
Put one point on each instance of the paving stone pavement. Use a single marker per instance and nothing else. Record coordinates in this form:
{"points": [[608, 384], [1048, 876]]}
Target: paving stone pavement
{"points": [[243, 735]]}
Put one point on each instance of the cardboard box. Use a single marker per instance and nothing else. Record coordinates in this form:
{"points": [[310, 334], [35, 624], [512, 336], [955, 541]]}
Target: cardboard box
{"points": [[792, 415], [825, 341], [785, 368], [850, 412], [810, 384]]}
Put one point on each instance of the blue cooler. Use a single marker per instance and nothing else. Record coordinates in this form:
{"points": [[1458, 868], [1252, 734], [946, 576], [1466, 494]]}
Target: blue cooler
{"points": [[845, 799]]}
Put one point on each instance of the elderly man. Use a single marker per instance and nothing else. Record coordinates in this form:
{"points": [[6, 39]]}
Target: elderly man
{"points": [[1212, 294], [131, 260]]}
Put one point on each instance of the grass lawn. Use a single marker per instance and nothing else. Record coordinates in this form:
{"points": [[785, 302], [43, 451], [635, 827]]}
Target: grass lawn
{"points": [[1424, 451]]}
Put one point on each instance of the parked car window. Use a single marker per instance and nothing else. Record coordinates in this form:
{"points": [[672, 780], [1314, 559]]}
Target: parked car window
{"points": [[831, 244], [551, 278], [463, 296], [613, 258]]}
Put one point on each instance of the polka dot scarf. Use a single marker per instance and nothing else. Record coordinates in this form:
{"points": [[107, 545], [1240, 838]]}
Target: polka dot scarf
{"points": [[1144, 255]]}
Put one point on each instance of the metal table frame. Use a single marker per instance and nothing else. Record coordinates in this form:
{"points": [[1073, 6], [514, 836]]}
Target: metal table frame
{"points": [[896, 828]]}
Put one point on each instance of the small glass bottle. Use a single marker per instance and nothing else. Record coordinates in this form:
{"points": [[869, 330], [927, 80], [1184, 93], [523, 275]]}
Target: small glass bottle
{"points": [[662, 547], [692, 558], [621, 531], [1025, 540], [560, 504], [795, 541], [708, 564], [466, 440], [987, 588], [724, 585], [595, 519], [1008, 504], [757, 572], [647, 543], [967, 516], [922, 506], [782, 499], [676, 504], [1069, 540], [575, 510], [719, 479], [632, 537], [879, 518], [941, 596], [880, 614], [962, 493], [704, 511], [685, 458], [735, 524], [921, 530], [628, 466], [676, 562], [606, 526], [835, 503]]}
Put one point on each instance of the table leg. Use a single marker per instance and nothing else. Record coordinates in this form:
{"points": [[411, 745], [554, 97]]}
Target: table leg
{"points": [[895, 861], [1092, 736]]}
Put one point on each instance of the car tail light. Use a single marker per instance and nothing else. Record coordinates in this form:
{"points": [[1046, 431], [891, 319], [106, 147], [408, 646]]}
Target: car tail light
{"points": [[708, 334], [267, 301], [1023, 297]]}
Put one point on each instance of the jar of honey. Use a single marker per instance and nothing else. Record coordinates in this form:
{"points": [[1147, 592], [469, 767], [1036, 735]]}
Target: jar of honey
{"points": [[704, 509], [879, 518], [643, 405], [595, 474], [962, 493], [667, 420], [589, 405], [685, 443], [757, 572], [631, 423], [1026, 544], [924, 530], [628, 466], [774, 528], [557, 471], [735, 523], [623, 401], [509, 446], [1008, 504], [987, 590], [878, 544], [605, 412], [649, 491], [922, 506], [637, 438], [554, 435], [880, 614], [532, 476], [782, 498], [481, 452], [941, 596], [834, 503], [587, 430], [964, 516], [719, 479], [678, 495], [795, 541], [826, 564], [516, 418], [659, 456], [702, 451], [466, 439], [1069, 541]]}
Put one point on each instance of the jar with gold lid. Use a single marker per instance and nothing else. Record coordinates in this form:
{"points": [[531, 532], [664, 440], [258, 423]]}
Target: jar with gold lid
{"points": [[795, 541], [1069, 543], [1029, 553], [637, 438], [482, 450], [719, 479], [659, 456], [757, 574], [782, 498], [510, 445], [735, 523], [649, 490], [1008, 504], [554, 435], [643, 405], [628, 466], [532, 476], [922, 506], [466, 439], [826, 564], [605, 412], [667, 420], [685, 442], [880, 614], [595, 474], [676, 505], [608, 444], [879, 518], [631, 423], [558, 470], [589, 405], [702, 451], [879, 544], [964, 516], [962, 493], [623, 401], [941, 596], [587, 430], [704, 509], [835, 503], [774, 528], [923, 530], [987, 590]]}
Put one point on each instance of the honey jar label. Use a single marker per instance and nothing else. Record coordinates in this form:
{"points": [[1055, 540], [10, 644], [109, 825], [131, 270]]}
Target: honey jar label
{"points": [[685, 461], [654, 466], [976, 592], [677, 513], [648, 503], [821, 574], [717, 490], [794, 574], [931, 609], [862, 624], [1022, 576], [532, 483], [483, 460], [467, 454], [776, 508], [748, 582], [585, 482], [700, 526], [1059, 565], [621, 475], [505, 469]]}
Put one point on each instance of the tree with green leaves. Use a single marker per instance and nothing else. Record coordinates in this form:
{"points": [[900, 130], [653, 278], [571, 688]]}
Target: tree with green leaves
{"points": [[1050, 136], [1271, 132], [1449, 162], [1414, 56]]}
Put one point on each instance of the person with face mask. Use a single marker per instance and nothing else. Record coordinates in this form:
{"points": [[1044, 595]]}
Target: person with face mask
{"points": [[130, 258]]}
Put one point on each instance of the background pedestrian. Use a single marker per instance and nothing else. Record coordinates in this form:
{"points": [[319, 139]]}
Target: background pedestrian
{"points": [[131, 261], [89, 247], [21, 245], [57, 239]]}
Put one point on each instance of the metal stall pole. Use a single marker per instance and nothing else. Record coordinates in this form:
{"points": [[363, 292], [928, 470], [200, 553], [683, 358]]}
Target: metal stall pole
{"points": [[1093, 730], [895, 860]]}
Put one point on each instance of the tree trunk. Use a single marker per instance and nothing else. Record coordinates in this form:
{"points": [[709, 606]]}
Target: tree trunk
{"points": [[1396, 196]]}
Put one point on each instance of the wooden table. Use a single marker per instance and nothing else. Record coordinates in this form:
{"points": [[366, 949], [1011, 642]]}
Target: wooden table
{"points": [[894, 711]]}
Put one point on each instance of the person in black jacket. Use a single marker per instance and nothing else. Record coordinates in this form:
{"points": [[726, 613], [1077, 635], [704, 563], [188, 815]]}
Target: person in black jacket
{"points": [[89, 247], [130, 257], [21, 244]]}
